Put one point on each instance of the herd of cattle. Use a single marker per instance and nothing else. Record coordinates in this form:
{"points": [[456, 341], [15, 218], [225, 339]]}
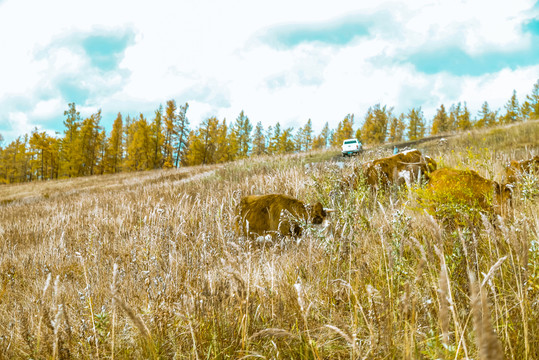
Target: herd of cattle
{"points": [[260, 215]]}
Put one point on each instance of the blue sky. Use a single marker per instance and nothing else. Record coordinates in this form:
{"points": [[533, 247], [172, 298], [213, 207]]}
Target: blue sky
{"points": [[278, 61]]}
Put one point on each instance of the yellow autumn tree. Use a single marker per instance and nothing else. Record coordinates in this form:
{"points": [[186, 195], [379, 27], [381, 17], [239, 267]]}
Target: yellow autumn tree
{"points": [[114, 148], [344, 130], [374, 128]]}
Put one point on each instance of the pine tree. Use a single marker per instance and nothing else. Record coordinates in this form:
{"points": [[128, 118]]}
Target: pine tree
{"points": [[157, 139], [226, 144], [463, 119], [392, 133], [69, 152], [454, 113], [127, 140], [242, 129], [39, 146], [87, 145], [326, 134], [101, 153], [416, 124], [344, 130], [306, 136], [259, 140], [512, 110], [170, 120], [203, 143], [285, 143], [375, 126], [485, 117], [533, 101], [299, 143], [139, 148], [441, 122], [397, 128], [273, 142], [114, 152], [181, 131]]}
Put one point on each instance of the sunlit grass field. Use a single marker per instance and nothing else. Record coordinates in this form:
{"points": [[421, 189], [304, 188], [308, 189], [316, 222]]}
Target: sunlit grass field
{"points": [[149, 265]]}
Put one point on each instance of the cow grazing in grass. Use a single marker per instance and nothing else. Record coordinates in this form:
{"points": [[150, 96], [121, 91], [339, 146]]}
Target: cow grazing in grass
{"points": [[516, 169], [404, 167], [272, 214], [460, 191]]}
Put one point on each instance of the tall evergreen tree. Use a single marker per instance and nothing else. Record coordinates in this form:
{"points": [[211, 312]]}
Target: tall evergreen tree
{"points": [[182, 134], [285, 142], [533, 101], [139, 150], [325, 134], [259, 140], [416, 124], [203, 143], [127, 140], [344, 130], [485, 117], [306, 136], [69, 152], [441, 122], [374, 129], [242, 129], [114, 147], [88, 145], [512, 109], [157, 139], [454, 113], [226, 144], [273, 142], [321, 140], [464, 121], [40, 147], [170, 120]]}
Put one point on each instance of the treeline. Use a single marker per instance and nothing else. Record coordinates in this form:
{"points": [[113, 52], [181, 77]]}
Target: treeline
{"points": [[167, 141]]}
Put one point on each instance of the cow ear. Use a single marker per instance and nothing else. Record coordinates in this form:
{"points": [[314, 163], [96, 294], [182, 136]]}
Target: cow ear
{"points": [[329, 210]]}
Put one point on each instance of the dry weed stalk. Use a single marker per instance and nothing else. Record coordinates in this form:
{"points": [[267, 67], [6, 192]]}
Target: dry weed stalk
{"points": [[459, 332], [113, 292], [90, 303], [487, 340], [444, 305]]}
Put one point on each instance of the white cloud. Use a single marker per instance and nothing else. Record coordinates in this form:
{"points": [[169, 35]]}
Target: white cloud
{"points": [[48, 108], [19, 124], [209, 53]]}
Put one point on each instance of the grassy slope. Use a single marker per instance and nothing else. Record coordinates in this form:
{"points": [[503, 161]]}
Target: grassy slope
{"points": [[373, 284]]}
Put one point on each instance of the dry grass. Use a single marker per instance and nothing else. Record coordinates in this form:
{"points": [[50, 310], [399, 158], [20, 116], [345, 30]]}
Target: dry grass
{"points": [[148, 265]]}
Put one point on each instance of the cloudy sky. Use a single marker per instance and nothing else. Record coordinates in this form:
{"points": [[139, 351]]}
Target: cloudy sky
{"points": [[278, 60]]}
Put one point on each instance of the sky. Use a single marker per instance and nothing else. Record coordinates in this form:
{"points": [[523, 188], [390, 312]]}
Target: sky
{"points": [[278, 61]]}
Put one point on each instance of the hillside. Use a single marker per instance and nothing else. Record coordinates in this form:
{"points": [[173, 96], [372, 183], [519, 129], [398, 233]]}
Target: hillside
{"points": [[149, 265]]}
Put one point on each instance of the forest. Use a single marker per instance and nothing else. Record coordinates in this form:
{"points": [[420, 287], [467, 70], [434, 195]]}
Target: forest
{"points": [[167, 141]]}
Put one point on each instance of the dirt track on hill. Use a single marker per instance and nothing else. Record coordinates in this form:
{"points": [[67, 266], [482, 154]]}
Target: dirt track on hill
{"points": [[400, 145]]}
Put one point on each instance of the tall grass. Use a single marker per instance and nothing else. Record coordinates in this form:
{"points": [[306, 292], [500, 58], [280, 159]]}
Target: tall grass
{"points": [[149, 265]]}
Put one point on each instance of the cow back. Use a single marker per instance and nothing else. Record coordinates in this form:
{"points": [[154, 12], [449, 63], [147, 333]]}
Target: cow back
{"points": [[272, 213]]}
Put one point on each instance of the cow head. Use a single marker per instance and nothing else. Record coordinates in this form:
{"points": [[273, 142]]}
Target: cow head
{"points": [[317, 213], [503, 194]]}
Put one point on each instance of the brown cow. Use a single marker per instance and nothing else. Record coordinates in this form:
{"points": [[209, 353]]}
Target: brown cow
{"points": [[400, 168], [276, 213], [450, 187], [514, 171]]}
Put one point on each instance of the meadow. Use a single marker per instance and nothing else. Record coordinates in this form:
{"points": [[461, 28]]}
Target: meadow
{"points": [[150, 265]]}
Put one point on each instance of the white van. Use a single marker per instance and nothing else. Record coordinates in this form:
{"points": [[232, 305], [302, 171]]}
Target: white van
{"points": [[351, 147]]}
